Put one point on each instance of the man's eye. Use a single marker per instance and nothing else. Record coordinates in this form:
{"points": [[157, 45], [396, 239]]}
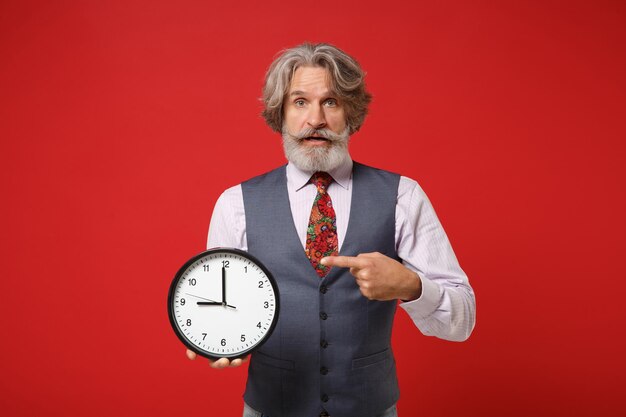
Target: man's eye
{"points": [[331, 102], [299, 103]]}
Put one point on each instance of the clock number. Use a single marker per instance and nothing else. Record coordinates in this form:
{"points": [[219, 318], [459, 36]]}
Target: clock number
{"points": [[243, 337], [188, 322], [205, 268], [203, 336], [192, 282], [266, 305], [182, 301], [223, 342], [225, 264], [245, 269], [260, 284], [258, 325]]}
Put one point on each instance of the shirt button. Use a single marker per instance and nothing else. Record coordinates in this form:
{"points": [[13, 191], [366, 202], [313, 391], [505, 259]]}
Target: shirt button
{"points": [[324, 344], [323, 370], [324, 398], [324, 414], [323, 289], [323, 316]]}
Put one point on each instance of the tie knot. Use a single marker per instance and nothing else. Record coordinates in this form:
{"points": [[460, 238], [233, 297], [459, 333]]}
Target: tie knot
{"points": [[321, 180]]}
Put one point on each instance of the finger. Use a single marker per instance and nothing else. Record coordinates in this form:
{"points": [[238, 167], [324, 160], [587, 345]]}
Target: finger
{"points": [[220, 363], [191, 355], [355, 273], [343, 261], [240, 361]]}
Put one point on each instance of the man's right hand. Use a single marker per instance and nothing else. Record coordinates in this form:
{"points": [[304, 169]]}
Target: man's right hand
{"points": [[221, 363]]}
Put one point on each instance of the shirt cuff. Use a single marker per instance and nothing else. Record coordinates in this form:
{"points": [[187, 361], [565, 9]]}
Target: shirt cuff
{"points": [[427, 302]]}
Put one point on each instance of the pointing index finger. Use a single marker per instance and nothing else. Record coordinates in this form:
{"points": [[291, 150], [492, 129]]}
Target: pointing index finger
{"points": [[342, 261]]}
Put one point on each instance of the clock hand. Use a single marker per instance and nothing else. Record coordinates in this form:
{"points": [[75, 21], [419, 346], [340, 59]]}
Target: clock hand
{"points": [[209, 301], [202, 298], [214, 303], [224, 285]]}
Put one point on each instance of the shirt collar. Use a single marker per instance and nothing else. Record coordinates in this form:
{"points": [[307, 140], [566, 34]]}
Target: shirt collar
{"points": [[341, 175]]}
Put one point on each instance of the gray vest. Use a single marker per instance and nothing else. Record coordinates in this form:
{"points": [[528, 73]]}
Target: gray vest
{"points": [[331, 348]]}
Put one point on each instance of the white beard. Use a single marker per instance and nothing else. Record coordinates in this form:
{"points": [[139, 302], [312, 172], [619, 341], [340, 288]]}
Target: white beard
{"points": [[316, 158]]}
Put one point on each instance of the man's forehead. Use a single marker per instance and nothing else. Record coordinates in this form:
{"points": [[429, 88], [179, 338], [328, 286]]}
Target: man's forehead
{"points": [[309, 79]]}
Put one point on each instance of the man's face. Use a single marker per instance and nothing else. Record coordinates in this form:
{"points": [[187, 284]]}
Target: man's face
{"points": [[315, 135]]}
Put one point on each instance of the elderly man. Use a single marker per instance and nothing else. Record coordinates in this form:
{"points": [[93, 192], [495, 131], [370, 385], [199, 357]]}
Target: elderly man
{"points": [[345, 242]]}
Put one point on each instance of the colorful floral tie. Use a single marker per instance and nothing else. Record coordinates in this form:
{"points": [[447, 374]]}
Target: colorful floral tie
{"points": [[321, 235]]}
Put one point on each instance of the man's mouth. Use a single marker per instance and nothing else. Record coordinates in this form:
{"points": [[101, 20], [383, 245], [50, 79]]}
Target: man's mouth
{"points": [[316, 139]]}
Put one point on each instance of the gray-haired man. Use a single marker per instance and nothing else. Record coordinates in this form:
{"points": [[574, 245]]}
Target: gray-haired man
{"points": [[330, 353]]}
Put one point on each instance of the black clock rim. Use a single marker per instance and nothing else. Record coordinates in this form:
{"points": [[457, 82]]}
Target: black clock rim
{"points": [[170, 296]]}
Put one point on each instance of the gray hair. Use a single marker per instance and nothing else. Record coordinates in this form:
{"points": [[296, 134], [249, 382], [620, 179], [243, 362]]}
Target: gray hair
{"points": [[347, 81]]}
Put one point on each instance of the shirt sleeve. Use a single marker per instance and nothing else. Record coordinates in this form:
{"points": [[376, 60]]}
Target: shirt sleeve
{"points": [[447, 307], [228, 223]]}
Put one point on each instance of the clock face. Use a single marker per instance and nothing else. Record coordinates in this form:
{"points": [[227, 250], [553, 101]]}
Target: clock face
{"points": [[223, 303]]}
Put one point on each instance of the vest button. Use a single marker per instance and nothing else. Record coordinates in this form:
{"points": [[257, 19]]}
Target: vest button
{"points": [[323, 316], [323, 370], [324, 414], [324, 344], [323, 289], [324, 398]]}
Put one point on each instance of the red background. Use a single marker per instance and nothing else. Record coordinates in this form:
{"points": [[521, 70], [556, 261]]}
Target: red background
{"points": [[122, 122]]}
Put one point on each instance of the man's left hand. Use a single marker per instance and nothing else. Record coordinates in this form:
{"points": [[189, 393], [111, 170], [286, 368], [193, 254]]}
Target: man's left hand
{"points": [[379, 277]]}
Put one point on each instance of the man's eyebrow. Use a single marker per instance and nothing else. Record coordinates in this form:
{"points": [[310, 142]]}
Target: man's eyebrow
{"points": [[304, 93]]}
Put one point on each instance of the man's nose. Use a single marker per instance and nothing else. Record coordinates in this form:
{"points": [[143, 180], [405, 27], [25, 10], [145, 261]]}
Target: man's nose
{"points": [[316, 118]]}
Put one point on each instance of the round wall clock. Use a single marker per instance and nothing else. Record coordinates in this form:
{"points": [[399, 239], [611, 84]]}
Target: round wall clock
{"points": [[223, 303]]}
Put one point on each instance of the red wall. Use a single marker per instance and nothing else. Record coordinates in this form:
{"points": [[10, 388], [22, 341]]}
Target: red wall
{"points": [[122, 122]]}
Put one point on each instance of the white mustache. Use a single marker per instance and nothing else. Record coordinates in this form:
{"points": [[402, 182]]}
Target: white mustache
{"points": [[324, 133]]}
